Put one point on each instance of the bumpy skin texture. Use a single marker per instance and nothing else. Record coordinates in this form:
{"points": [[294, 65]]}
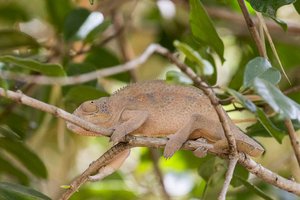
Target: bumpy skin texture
{"points": [[156, 108]]}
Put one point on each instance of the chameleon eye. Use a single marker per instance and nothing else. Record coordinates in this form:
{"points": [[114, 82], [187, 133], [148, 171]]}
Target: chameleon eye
{"points": [[89, 107]]}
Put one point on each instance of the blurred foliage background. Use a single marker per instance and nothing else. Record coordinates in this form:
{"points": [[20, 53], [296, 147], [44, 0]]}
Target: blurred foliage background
{"points": [[63, 38]]}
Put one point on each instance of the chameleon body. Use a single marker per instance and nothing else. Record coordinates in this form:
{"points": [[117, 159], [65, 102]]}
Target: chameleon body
{"points": [[155, 109]]}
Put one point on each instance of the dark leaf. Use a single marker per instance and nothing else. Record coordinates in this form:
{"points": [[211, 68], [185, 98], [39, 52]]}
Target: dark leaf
{"points": [[203, 29], [286, 107], [240, 172], [81, 93], [44, 68], [28, 158], [269, 126], [297, 6], [12, 12], [252, 187], [74, 21], [10, 169], [269, 7], [11, 39], [57, 12], [8, 133], [9, 191]]}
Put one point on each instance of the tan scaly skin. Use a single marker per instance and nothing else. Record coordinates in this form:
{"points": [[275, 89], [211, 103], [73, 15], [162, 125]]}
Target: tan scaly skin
{"points": [[158, 109]]}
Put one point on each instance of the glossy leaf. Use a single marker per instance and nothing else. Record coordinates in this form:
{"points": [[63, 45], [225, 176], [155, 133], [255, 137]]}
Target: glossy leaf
{"points": [[269, 7], [284, 106], [11, 39], [11, 170], [57, 12], [9, 191], [28, 158], [203, 29], [44, 68], [73, 22], [262, 68], [203, 66]]}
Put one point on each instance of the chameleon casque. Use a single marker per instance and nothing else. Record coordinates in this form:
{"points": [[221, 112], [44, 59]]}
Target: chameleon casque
{"points": [[157, 109]]}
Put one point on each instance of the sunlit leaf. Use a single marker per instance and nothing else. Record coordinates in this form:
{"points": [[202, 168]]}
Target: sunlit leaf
{"points": [[203, 66], [203, 29], [97, 31], [10, 191], [262, 68], [286, 107], [28, 158], [44, 68], [177, 77], [243, 100]]}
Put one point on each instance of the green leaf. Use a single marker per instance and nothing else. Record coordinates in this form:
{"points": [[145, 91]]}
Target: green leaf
{"points": [[252, 187], [203, 66], [81, 93], [57, 12], [286, 107], [177, 77], [260, 115], [269, 126], [12, 12], [28, 158], [73, 22], [9, 191], [8, 133], [297, 6], [46, 69], [262, 68], [203, 29], [269, 7], [11, 39], [11, 170], [243, 100], [97, 31], [241, 172]]}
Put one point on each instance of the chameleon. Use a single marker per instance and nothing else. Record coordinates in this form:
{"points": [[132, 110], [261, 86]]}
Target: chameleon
{"points": [[159, 109]]}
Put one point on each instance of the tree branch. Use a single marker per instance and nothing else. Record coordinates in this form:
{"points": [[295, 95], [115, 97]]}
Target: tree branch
{"points": [[253, 167], [293, 139]]}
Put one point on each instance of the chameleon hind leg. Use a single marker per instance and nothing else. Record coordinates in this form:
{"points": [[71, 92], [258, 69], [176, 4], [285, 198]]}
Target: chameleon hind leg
{"points": [[177, 139]]}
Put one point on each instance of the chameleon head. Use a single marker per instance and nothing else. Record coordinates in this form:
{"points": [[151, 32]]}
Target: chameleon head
{"points": [[95, 111]]}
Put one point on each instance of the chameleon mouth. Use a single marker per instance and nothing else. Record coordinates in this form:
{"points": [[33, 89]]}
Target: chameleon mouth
{"points": [[78, 130]]}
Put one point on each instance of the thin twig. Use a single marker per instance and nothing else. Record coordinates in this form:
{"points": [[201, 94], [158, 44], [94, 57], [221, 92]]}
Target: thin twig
{"points": [[293, 138], [292, 90], [253, 167], [46, 80], [229, 174], [252, 29]]}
